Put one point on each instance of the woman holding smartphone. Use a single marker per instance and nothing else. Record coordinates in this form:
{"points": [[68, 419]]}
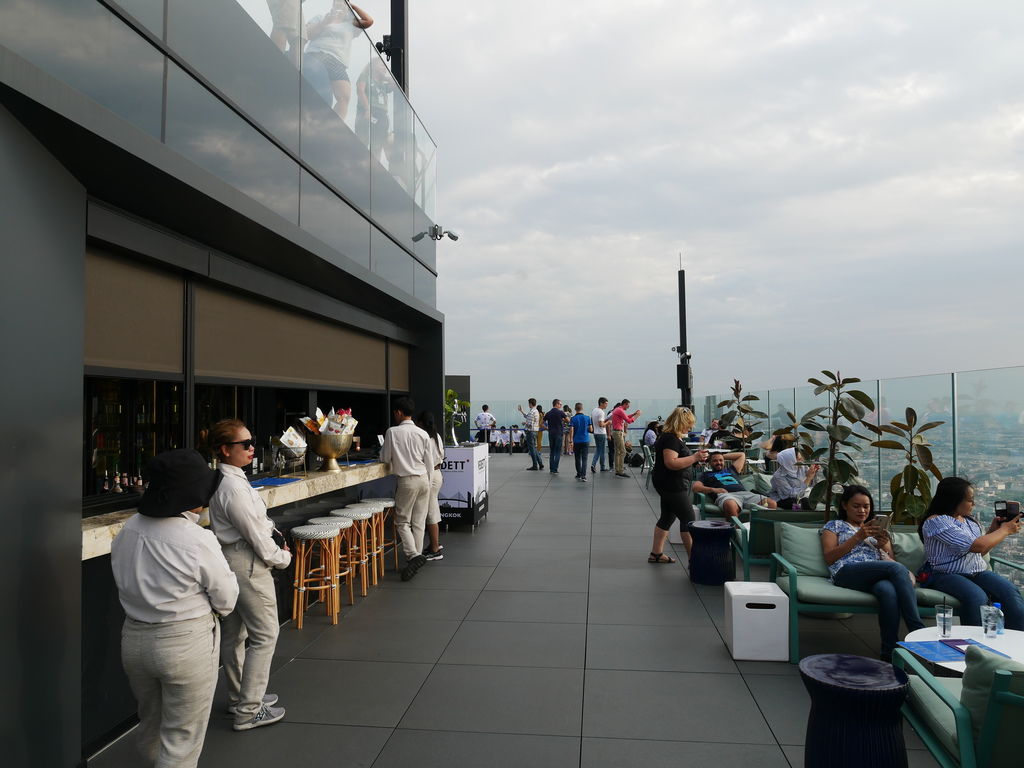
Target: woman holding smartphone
{"points": [[955, 545], [238, 517], [672, 474], [859, 556]]}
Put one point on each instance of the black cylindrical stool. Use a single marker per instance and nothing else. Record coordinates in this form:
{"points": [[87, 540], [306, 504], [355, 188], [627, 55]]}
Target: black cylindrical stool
{"points": [[855, 718], [710, 561]]}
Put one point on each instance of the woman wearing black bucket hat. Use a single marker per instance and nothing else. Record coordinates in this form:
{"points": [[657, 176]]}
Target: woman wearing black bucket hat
{"points": [[172, 578]]}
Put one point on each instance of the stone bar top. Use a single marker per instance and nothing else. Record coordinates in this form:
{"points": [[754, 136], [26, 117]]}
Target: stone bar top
{"points": [[99, 531]]}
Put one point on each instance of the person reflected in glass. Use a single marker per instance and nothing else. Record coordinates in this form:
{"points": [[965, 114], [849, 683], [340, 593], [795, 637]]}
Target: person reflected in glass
{"points": [[373, 118], [330, 44], [285, 15], [859, 556], [672, 475], [955, 547]]}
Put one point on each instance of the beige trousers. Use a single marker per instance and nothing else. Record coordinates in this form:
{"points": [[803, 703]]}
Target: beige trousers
{"points": [[411, 502], [247, 670], [172, 670], [619, 439], [433, 506]]}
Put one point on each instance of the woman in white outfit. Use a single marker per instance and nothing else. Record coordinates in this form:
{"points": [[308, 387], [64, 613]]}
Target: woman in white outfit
{"points": [[238, 516], [426, 422], [173, 582], [330, 43]]}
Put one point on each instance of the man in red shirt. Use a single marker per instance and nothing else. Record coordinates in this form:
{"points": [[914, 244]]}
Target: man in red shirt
{"points": [[620, 419]]}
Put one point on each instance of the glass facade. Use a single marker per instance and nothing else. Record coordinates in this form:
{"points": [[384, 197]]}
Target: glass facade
{"points": [[288, 102]]}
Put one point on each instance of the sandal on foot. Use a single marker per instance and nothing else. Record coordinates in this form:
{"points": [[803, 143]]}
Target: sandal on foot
{"points": [[660, 559]]}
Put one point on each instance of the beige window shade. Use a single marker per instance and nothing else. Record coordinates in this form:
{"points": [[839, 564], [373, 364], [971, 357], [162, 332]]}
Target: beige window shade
{"points": [[399, 367], [133, 314], [242, 338]]}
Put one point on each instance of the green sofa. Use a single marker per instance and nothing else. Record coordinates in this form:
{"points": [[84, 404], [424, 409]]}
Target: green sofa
{"points": [[804, 577]]}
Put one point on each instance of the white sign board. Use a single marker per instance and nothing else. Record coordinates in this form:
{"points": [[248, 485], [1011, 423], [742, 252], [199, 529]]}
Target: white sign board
{"points": [[465, 471]]}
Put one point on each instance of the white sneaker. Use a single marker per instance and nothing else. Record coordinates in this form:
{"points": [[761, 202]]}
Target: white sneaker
{"points": [[266, 716]]}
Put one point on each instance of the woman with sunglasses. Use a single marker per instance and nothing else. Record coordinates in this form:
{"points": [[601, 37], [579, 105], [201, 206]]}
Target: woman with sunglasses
{"points": [[238, 517]]}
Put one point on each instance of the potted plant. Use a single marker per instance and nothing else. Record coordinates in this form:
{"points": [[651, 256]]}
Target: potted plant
{"points": [[836, 453], [911, 487], [741, 421]]}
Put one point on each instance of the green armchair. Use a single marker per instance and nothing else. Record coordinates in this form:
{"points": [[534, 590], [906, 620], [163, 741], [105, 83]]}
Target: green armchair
{"points": [[805, 578], [973, 722], [753, 543]]}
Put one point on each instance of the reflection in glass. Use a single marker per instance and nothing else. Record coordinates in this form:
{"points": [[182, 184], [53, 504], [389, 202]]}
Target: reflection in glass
{"points": [[86, 46], [149, 13], [391, 262], [375, 91], [329, 218], [425, 285], [328, 59], [203, 129]]}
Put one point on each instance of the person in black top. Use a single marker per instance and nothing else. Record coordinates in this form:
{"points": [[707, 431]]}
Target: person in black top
{"points": [[555, 420], [672, 474]]}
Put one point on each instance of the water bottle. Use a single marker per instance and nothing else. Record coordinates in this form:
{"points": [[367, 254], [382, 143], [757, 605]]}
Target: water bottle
{"points": [[998, 614]]}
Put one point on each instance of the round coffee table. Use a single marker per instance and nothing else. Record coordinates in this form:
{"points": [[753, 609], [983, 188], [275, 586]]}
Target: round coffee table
{"points": [[855, 712], [710, 560], [1011, 642]]}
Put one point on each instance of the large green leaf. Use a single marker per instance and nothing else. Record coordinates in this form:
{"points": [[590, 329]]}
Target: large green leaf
{"points": [[936, 472], [872, 428], [838, 431], [757, 414], [929, 425], [919, 440], [890, 429], [890, 445], [895, 483], [924, 455], [831, 375], [755, 435], [726, 404], [911, 418], [863, 398], [844, 382], [813, 426], [816, 382], [791, 416], [915, 506], [820, 388], [909, 478], [851, 409], [813, 413], [749, 398], [901, 425]]}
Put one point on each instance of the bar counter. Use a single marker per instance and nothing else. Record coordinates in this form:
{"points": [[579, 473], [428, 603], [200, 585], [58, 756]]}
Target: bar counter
{"points": [[99, 531]]}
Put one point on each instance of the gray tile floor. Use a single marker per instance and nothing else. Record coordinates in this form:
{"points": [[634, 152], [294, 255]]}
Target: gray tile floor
{"points": [[544, 638]]}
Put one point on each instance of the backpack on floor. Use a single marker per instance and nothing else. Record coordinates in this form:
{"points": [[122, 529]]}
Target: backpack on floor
{"points": [[635, 460]]}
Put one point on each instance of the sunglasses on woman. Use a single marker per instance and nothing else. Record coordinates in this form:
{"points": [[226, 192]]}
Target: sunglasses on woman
{"points": [[247, 444]]}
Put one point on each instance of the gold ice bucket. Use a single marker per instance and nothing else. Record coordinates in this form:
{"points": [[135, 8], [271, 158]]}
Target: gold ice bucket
{"points": [[330, 448]]}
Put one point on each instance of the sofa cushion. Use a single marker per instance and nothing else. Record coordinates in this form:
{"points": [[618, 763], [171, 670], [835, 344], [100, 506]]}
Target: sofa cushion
{"points": [[981, 669], [802, 547], [934, 712], [817, 589], [932, 597], [909, 550]]}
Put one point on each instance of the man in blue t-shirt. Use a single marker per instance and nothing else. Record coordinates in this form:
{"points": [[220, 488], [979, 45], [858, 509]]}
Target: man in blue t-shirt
{"points": [[555, 420], [722, 485], [581, 427]]}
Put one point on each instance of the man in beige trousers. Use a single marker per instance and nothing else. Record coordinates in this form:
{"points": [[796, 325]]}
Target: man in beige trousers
{"points": [[407, 449]]}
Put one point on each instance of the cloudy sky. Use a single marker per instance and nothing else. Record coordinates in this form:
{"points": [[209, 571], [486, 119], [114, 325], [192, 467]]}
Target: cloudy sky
{"points": [[842, 179]]}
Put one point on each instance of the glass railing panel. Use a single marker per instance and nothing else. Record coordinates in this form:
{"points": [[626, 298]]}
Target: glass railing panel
{"points": [[227, 46], [148, 13], [83, 44], [391, 262], [932, 399], [424, 170], [391, 172], [424, 284], [206, 131], [326, 216], [780, 404]]}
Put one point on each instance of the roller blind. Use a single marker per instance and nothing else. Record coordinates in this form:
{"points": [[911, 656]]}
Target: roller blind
{"points": [[133, 314], [399, 367], [238, 337]]}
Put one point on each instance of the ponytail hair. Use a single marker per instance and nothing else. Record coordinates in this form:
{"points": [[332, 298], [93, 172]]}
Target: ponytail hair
{"points": [[221, 433]]}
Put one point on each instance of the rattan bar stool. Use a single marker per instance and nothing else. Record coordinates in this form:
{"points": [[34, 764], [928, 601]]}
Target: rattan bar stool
{"points": [[385, 542], [376, 553], [347, 558], [312, 543], [364, 530]]}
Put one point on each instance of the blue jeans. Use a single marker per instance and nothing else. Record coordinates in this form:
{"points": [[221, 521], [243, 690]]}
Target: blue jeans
{"points": [[531, 446], [890, 583], [556, 450], [580, 451], [974, 590], [600, 446]]}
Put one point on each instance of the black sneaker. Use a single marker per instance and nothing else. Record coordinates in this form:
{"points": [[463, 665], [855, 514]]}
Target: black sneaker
{"points": [[621, 474], [593, 469], [433, 555], [412, 567], [541, 467], [531, 469]]}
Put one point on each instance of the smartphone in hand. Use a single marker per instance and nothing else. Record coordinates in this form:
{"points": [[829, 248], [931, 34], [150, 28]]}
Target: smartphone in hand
{"points": [[1007, 510]]}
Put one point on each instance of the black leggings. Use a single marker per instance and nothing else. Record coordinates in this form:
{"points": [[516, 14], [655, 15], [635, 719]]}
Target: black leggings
{"points": [[675, 505]]}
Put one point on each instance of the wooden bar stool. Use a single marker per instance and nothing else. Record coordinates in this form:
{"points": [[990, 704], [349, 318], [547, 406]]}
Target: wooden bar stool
{"points": [[315, 543], [385, 542], [376, 552], [346, 559], [363, 531]]}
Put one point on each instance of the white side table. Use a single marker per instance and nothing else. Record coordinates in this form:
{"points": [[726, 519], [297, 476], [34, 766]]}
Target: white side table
{"points": [[756, 621]]}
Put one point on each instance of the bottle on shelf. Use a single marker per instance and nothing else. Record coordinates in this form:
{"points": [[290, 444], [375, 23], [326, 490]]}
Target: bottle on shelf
{"points": [[106, 482]]}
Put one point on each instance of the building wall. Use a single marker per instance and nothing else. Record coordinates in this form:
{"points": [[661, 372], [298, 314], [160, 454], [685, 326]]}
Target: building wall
{"points": [[41, 302]]}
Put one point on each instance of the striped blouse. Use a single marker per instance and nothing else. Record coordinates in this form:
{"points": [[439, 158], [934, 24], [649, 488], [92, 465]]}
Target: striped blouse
{"points": [[947, 544]]}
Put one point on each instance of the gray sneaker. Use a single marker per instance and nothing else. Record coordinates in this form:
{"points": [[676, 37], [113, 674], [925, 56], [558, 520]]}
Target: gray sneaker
{"points": [[266, 716], [268, 701]]}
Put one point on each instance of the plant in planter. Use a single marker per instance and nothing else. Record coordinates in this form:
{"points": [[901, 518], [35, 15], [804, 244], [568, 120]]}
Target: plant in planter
{"points": [[836, 452], [455, 415], [911, 487], [741, 422]]}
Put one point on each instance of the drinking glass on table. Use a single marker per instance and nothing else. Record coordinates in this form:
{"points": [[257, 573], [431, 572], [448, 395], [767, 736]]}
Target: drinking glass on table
{"points": [[944, 620]]}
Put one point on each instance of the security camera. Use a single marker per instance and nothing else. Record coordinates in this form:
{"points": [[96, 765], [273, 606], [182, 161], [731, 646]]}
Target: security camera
{"points": [[452, 235]]}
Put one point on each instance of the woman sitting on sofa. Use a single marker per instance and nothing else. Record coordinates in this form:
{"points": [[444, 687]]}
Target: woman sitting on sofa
{"points": [[859, 556]]}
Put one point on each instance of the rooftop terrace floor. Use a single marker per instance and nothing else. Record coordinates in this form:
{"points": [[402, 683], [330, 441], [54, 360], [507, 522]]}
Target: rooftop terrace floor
{"points": [[543, 639]]}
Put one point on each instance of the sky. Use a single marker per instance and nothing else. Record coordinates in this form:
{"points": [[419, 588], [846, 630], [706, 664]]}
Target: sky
{"points": [[842, 182]]}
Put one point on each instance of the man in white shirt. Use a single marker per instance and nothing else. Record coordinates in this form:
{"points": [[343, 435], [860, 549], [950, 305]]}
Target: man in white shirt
{"points": [[531, 420], [407, 448], [172, 579], [484, 421], [599, 418]]}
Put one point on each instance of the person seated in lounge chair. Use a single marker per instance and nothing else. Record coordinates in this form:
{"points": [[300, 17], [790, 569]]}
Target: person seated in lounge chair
{"points": [[722, 484]]}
